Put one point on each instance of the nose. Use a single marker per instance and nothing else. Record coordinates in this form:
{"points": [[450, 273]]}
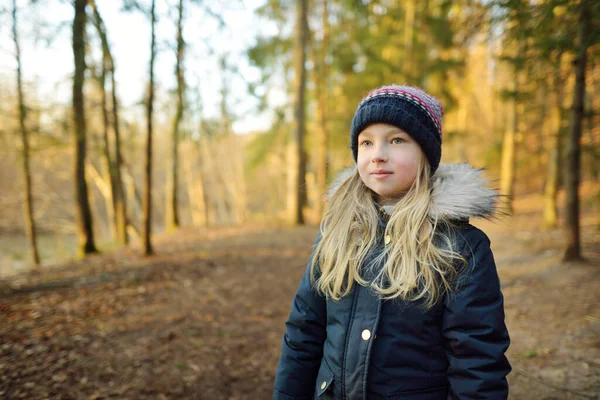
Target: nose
{"points": [[379, 155]]}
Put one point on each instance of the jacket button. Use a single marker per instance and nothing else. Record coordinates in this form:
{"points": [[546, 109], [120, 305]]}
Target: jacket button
{"points": [[387, 239], [366, 334], [323, 385]]}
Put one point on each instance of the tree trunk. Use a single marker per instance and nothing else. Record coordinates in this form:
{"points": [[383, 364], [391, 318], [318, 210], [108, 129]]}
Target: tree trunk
{"points": [[28, 192], [117, 189], [121, 199], [539, 146], [507, 177], [321, 81], [147, 207], [132, 194], [111, 211], [551, 188], [301, 38], [552, 181], [213, 199], [226, 120], [172, 217], [195, 187], [421, 46], [409, 29], [573, 167], [291, 181], [233, 178], [84, 214]]}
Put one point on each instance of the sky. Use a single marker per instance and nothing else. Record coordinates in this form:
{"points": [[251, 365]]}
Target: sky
{"points": [[48, 64]]}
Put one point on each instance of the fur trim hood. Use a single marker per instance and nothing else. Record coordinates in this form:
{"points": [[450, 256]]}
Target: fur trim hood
{"points": [[459, 192]]}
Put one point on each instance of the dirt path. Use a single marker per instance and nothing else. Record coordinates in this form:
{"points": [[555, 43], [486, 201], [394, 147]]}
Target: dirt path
{"points": [[204, 318]]}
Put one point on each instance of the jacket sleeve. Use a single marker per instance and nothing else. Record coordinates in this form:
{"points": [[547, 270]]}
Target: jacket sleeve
{"points": [[473, 326], [302, 347]]}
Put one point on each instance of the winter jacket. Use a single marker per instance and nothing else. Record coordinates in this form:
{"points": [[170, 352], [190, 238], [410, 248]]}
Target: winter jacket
{"points": [[362, 347]]}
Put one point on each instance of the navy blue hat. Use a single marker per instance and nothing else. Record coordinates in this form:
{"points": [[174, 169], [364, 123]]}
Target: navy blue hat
{"points": [[408, 108]]}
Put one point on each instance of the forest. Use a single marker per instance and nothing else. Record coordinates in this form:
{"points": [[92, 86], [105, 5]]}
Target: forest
{"points": [[165, 166]]}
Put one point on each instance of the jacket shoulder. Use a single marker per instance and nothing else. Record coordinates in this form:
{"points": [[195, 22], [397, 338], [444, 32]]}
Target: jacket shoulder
{"points": [[470, 238]]}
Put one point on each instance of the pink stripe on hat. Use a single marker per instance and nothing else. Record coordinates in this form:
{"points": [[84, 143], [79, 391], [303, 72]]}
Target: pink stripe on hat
{"points": [[431, 106]]}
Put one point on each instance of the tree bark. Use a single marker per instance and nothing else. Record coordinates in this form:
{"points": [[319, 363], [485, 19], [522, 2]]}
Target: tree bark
{"points": [[115, 164], [84, 214], [121, 199], [553, 178], [507, 177], [147, 206], [195, 185], [321, 81], [573, 167], [409, 29], [112, 211], [301, 38], [28, 191], [172, 216]]}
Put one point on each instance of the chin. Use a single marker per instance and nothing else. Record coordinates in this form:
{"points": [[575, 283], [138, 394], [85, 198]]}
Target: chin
{"points": [[386, 198]]}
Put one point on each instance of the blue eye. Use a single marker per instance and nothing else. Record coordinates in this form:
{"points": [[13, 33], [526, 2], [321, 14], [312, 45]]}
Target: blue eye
{"points": [[397, 140], [365, 143]]}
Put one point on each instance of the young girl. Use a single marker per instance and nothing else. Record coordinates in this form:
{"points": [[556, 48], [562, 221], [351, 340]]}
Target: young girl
{"points": [[401, 298]]}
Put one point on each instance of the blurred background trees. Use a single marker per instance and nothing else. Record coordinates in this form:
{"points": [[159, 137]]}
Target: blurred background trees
{"points": [[251, 125]]}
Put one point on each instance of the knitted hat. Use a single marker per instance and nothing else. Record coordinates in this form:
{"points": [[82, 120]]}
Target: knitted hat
{"points": [[408, 108]]}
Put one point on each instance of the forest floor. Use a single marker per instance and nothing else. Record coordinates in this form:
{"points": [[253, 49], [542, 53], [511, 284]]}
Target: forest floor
{"points": [[203, 318]]}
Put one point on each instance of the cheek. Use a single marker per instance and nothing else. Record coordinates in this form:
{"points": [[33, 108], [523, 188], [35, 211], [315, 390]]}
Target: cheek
{"points": [[362, 164], [409, 161]]}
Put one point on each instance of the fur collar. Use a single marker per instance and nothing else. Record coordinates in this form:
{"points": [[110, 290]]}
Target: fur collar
{"points": [[459, 192]]}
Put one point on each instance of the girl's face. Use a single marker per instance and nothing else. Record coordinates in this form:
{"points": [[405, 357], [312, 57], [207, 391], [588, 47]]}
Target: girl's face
{"points": [[388, 160]]}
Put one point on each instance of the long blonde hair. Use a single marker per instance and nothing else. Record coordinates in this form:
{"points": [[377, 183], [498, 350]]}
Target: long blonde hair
{"points": [[418, 263]]}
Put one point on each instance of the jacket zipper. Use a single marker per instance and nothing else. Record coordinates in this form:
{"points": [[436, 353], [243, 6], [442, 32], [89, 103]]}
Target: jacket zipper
{"points": [[352, 312]]}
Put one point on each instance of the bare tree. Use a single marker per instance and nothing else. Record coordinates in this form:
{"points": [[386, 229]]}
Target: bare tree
{"points": [[84, 213], [147, 219], [573, 167], [321, 84], [552, 180], [507, 178], [117, 190], [172, 217], [299, 169], [28, 203]]}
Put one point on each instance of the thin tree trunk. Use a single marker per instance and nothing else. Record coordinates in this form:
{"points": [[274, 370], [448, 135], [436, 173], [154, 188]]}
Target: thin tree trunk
{"points": [[552, 181], [202, 165], [241, 189], [111, 211], [172, 217], [573, 167], [212, 200], [542, 96], [195, 188], [291, 181], [421, 47], [134, 195], [233, 179], [226, 123], [84, 214], [507, 178], [301, 38], [409, 29], [147, 207], [28, 192], [321, 80], [121, 199], [118, 191]]}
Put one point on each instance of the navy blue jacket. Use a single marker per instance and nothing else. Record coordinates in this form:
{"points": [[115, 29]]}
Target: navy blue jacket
{"points": [[362, 347]]}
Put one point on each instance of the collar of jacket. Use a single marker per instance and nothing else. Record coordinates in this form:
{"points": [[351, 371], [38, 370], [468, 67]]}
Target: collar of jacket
{"points": [[459, 192]]}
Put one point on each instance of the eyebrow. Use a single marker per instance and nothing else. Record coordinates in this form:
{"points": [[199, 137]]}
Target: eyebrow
{"points": [[392, 131]]}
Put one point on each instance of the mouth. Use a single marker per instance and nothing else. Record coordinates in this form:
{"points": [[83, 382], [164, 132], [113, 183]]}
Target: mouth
{"points": [[381, 173]]}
